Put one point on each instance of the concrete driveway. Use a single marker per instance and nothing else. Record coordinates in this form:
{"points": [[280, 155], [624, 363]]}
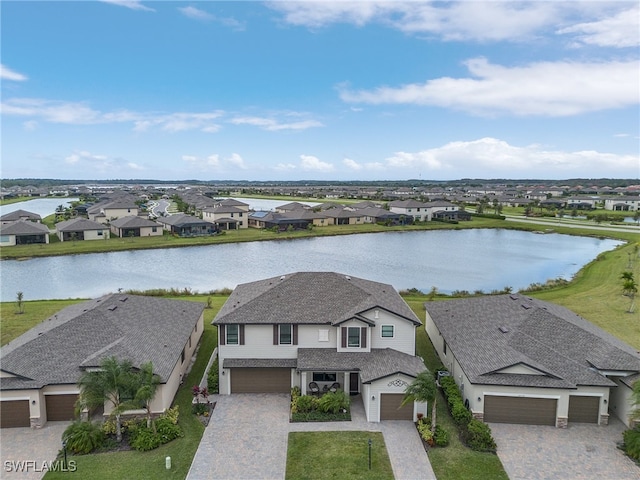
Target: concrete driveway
{"points": [[581, 451], [248, 434], [27, 445]]}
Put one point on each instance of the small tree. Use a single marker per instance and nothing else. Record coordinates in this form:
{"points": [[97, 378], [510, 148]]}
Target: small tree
{"points": [[20, 302], [629, 287], [147, 383], [423, 389], [114, 382]]}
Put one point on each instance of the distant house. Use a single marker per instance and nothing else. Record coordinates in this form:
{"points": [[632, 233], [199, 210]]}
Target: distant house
{"points": [[185, 225], [105, 212], [344, 216], [297, 219], [23, 233], [622, 204], [582, 203], [227, 217], [521, 360], [292, 207], [379, 215], [135, 227], [20, 215], [81, 229], [415, 210], [40, 369]]}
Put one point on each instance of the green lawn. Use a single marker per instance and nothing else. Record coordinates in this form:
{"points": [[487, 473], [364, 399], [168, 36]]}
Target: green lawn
{"points": [[134, 465], [331, 455]]}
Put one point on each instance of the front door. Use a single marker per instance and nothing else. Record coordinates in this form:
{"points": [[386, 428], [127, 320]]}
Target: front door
{"points": [[354, 383]]}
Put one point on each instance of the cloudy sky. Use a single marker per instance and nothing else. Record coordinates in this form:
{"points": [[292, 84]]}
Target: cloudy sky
{"points": [[125, 89]]}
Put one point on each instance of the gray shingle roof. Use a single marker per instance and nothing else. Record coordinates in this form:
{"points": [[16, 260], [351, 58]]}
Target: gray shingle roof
{"points": [[79, 224], [309, 298], [133, 221], [488, 334], [379, 363], [137, 328], [19, 214], [24, 228], [259, 363]]}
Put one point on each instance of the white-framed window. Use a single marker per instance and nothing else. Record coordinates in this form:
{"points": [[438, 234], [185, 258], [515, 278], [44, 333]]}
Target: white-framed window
{"points": [[323, 335], [232, 334], [353, 337], [285, 334], [99, 233], [387, 331], [324, 376]]}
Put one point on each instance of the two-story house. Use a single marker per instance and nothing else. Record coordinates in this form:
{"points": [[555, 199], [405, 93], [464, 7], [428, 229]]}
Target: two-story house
{"points": [[320, 327]]}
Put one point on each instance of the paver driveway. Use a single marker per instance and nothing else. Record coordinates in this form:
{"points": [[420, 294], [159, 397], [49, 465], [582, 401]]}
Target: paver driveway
{"points": [[247, 439], [25, 444], [581, 451]]}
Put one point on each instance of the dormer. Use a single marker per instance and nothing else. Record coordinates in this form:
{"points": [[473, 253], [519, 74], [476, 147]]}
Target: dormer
{"points": [[354, 335]]}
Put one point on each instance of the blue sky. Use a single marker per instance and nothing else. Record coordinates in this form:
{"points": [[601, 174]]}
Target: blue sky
{"points": [[126, 89]]}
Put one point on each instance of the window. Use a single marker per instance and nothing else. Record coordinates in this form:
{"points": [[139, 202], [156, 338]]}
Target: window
{"points": [[154, 229], [353, 337], [324, 377], [232, 335], [285, 334], [387, 331], [444, 347]]}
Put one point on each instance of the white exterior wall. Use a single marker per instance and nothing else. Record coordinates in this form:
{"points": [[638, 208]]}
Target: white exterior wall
{"points": [[620, 402], [7, 240], [393, 384], [353, 323], [148, 231], [93, 234], [417, 213], [633, 203], [403, 332]]}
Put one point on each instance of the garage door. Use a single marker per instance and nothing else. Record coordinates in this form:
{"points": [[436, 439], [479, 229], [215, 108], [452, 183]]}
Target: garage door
{"points": [[529, 411], [260, 380], [584, 409], [390, 408], [60, 407], [14, 413]]}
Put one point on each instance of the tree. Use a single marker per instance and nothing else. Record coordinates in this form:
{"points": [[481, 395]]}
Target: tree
{"points": [[147, 384], [423, 389], [629, 287], [114, 382], [20, 302]]}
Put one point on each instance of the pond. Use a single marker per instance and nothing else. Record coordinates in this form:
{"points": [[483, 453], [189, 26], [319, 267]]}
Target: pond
{"points": [[482, 259]]}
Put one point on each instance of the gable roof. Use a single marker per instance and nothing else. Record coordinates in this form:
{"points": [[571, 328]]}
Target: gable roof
{"points": [[489, 334], [309, 298], [133, 221], [137, 328]]}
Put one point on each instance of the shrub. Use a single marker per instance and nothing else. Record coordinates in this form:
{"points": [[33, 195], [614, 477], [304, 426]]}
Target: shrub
{"points": [[333, 402], [441, 436], [305, 403], [199, 408], [632, 442], [478, 436], [460, 414], [83, 437], [425, 433], [171, 414], [167, 430], [143, 439], [213, 379]]}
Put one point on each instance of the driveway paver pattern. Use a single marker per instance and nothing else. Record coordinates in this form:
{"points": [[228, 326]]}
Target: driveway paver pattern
{"points": [[247, 438], [581, 451], [27, 445]]}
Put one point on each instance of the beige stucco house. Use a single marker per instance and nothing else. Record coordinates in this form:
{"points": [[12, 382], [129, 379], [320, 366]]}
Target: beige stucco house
{"points": [[39, 370]]}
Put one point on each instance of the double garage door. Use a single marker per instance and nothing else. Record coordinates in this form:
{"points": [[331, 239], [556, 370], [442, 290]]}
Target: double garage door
{"points": [[391, 409], [539, 411], [260, 380], [15, 413], [528, 411]]}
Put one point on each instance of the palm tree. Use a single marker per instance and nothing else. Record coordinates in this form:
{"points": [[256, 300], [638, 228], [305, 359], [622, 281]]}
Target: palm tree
{"points": [[629, 287], [423, 389], [114, 382], [147, 386]]}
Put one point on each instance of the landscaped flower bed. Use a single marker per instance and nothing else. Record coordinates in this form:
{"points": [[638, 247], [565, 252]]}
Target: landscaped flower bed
{"points": [[330, 407]]}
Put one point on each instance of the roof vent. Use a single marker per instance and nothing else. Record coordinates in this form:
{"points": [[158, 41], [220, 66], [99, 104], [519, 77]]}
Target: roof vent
{"points": [[347, 277], [513, 297], [124, 299], [112, 308], [503, 329], [525, 306], [282, 277]]}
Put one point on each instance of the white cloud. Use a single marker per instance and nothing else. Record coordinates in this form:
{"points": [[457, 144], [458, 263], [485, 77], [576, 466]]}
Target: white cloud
{"points": [[358, 167], [273, 125], [214, 162], [196, 13], [81, 114], [81, 160], [539, 89], [284, 167], [132, 4], [237, 161], [135, 166], [7, 74], [30, 125], [494, 157], [311, 163], [619, 30]]}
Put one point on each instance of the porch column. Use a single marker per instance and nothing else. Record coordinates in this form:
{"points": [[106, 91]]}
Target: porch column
{"points": [[303, 383], [346, 385]]}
